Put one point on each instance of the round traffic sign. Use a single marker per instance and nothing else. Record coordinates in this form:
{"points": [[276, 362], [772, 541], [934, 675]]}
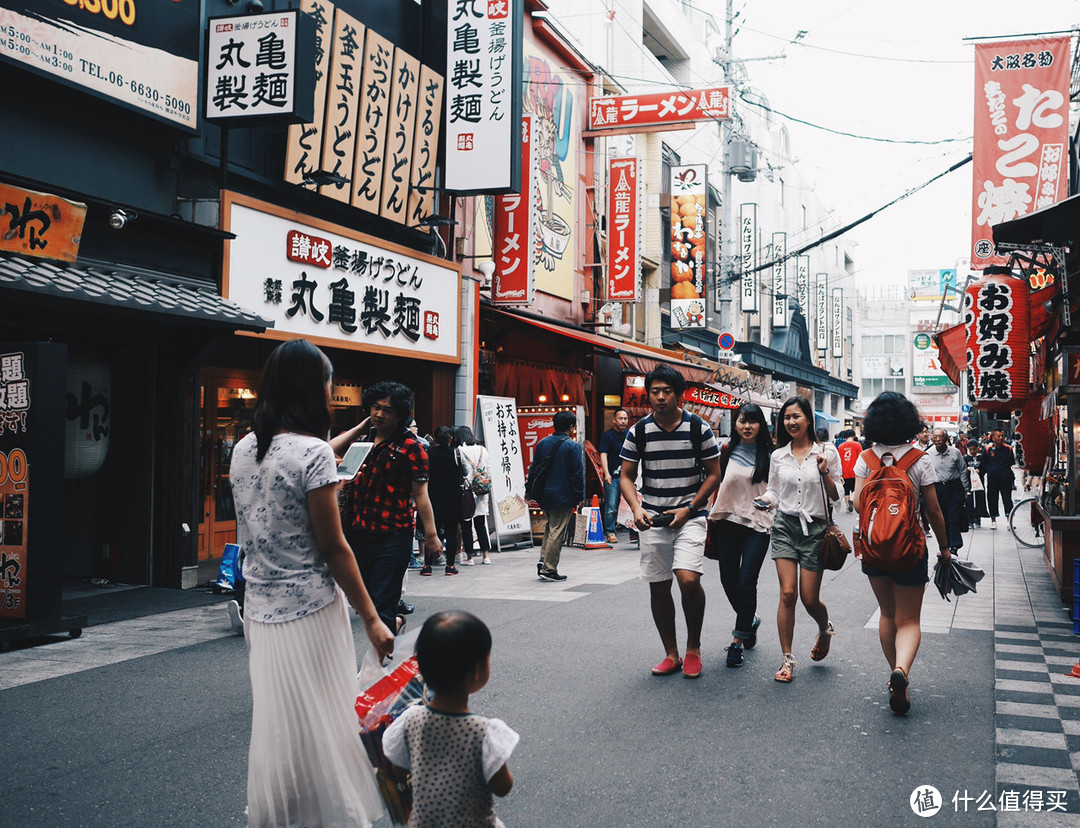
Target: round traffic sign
{"points": [[965, 408], [726, 341]]}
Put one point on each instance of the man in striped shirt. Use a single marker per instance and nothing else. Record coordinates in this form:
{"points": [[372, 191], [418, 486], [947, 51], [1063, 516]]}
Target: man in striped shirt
{"points": [[680, 464]]}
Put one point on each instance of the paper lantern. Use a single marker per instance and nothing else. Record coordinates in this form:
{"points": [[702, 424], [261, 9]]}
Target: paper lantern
{"points": [[1032, 436], [997, 314], [87, 414]]}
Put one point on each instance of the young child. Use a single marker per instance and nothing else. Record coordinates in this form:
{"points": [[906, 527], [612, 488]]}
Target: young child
{"points": [[457, 758]]}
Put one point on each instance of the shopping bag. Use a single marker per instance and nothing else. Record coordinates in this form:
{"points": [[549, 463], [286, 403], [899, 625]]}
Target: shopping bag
{"points": [[230, 574]]}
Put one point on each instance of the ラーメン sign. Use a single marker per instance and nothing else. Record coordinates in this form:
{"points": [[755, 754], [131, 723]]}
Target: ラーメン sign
{"points": [[624, 222], [612, 112], [515, 226]]}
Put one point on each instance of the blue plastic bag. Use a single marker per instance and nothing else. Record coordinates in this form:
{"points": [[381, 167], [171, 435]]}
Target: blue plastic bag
{"points": [[230, 574]]}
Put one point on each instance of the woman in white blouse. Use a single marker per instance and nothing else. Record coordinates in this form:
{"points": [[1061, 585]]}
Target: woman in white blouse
{"points": [[802, 473]]}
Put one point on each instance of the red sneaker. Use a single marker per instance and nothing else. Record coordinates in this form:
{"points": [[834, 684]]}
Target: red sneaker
{"points": [[667, 667], [691, 667]]}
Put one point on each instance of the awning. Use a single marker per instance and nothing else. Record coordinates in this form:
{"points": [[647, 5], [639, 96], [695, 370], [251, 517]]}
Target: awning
{"points": [[151, 295], [635, 357], [1058, 224], [821, 415]]}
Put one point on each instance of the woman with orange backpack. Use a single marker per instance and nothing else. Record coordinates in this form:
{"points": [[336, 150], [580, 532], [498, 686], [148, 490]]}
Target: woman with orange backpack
{"points": [[890, 540]]}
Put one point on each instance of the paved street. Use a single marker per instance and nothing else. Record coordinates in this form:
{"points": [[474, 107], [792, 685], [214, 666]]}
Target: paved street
{"points": [[144, 722]]}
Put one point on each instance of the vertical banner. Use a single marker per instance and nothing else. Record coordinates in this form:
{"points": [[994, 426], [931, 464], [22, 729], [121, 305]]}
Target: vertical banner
{"points": [[1021, 135], [426, 147], [496, 424], [838, 323], [371, 129], [779, 281], [749, 290], [483, 95], [624, 224], [688, 236], [303, 151], [802, 287], [515, 226], [821, 319], [343, 101], [399, 136]]}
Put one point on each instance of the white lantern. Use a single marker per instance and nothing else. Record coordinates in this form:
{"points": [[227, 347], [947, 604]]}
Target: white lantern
{"points": [[88, 410]]}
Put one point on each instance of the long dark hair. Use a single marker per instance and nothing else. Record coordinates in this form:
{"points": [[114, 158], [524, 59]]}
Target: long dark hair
{"points": [[292, 395], [465, 436], [763, 441], [782, 435]]}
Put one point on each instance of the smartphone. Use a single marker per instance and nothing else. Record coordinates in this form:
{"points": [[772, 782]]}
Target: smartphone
{"points": [[352, 461], [662, 519], [761, 504]]}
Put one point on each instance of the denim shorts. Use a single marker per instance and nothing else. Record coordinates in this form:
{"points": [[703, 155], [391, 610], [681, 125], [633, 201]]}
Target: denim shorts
{"points": [[915, 575]]}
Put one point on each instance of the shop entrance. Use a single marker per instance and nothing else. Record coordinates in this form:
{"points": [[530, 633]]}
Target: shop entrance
{"points": [[227, 406]]}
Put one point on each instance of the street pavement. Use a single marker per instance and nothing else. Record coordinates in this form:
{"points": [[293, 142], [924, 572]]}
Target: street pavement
{"points": [[145, 721]]}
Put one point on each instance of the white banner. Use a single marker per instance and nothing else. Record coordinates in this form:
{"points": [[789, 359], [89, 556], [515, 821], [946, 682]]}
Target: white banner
{"points": [[496, 425], [838, 322], [802, 287], [748, 301], [779, 281], [821, 318]]}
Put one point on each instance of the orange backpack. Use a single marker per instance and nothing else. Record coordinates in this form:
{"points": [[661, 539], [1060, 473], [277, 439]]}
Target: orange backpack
{"points": [[890, 535]]}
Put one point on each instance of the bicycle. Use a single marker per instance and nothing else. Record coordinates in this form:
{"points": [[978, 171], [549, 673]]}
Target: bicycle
{"points": [[1026, 524]]}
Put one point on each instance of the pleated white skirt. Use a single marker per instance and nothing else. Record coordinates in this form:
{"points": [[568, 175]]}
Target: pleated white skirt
{"points": [[306, 764]]}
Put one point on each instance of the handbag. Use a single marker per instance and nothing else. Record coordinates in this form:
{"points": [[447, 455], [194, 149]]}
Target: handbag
{"points": [[468, 499], [834, 547], [712, 540]]}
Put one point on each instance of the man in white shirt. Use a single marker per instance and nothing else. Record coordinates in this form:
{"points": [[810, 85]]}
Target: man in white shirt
{"points": [[680, 461], [951, 469]]}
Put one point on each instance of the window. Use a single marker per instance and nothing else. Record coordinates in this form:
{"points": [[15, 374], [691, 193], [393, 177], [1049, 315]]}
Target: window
{"points": [[871, 344], [873, 386]]}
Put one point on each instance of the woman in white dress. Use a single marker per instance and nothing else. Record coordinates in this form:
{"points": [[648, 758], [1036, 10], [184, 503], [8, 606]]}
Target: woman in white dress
{"points": [[306, 763], [474, 455]]}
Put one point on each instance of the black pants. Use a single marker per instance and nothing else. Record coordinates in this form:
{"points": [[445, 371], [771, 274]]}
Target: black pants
{"points": [[976, 505], [950, 496], [447, 528], [479, 523], [740, 564], [999, 487]]}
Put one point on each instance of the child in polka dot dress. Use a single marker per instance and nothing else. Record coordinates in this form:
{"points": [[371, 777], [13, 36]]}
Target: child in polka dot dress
{"points": [[457, 758]]}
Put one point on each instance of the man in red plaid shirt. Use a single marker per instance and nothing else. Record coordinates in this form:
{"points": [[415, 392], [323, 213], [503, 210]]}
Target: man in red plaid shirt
{"points": [[389, 488]]}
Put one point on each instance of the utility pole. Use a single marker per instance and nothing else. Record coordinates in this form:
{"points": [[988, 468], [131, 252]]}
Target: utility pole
{"points": [[723, 284]]}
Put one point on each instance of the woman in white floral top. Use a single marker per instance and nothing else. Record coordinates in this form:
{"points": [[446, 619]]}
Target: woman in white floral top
{"points": [[306, 764]]}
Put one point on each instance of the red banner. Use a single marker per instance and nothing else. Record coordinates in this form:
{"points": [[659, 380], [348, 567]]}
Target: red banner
{"points": [[615, 111], [1021, 135], [514, 231], [711, 398], [623, 251]]}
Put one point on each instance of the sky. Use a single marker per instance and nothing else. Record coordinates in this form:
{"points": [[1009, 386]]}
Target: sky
{"points": [[898, 71]]}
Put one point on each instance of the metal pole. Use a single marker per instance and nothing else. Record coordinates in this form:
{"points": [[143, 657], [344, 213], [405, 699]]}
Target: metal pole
{"points": [[726, 267]]}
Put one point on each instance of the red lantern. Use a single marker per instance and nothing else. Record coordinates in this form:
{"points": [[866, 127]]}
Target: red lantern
{"points": [[1032, 436], [997, 317]]}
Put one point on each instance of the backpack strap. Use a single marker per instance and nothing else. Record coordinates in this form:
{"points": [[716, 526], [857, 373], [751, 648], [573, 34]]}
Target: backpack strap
{"points": [[910, 458], [639, 440], [873, 462]]}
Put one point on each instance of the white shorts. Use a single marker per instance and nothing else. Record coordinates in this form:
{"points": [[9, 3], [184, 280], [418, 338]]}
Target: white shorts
{"points": [[664, 550]]}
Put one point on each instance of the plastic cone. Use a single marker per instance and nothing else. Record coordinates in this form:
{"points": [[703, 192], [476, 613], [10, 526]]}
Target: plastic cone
{"points": [[1075, 671], [595, 537]]}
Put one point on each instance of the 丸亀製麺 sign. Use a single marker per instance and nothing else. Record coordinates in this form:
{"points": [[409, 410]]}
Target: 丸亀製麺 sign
{"points": [[658, 108], [40, 224], [623, 250], [483, 98], [339, 287], [260, 67]]}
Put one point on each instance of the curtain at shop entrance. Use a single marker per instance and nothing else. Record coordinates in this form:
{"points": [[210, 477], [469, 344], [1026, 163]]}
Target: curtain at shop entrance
{"points": [[526, 382]]}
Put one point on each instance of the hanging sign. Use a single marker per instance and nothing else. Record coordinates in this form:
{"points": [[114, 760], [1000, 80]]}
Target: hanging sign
{"points": [[483, 95], [1031, 437], [303, 150], [688, 246], [838, 323], [996, 317], [779, 280], [40, 224], [660, 108], [260, 67], [400, 128], [624, 222], [373, 109], [749, 289], [426, 147], [821, 320], [802, 287], [515, 229], [1021, 140]]}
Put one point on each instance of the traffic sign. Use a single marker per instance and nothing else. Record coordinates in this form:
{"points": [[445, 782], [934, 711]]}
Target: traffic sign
{"points": [[965, 408], [726, 341]]}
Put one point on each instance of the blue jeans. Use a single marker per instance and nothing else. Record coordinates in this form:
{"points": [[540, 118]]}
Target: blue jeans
{"points": [[611, 504], [741, 557], [383, 558]]}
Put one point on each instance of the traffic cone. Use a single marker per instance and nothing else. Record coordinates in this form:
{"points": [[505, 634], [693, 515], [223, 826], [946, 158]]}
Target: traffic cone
{"points": [[1075, 671], [595, 537]]}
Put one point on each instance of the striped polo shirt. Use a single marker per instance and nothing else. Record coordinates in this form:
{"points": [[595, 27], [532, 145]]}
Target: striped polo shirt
{"points": [[670, 472]]}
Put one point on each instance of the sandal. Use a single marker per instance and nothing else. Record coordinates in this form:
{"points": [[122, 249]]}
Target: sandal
{"points": [[787, 669], [821, 646], [899, 700]]}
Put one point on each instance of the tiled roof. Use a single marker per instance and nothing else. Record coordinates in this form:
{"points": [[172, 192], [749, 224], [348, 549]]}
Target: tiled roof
{"points": [[118, 287]]}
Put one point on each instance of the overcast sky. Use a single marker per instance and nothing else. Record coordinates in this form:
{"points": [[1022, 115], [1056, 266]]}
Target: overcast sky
{"points": [[885, 70]]}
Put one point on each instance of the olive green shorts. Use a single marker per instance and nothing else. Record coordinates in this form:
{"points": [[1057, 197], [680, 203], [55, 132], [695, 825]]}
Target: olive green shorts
{"points": [[789, 542]]}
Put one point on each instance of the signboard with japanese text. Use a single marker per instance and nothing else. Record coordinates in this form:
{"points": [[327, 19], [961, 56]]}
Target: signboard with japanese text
{"points": [[612, 112], [624, 226], [260, 67], [515, 226], [425, 146], [932, 285], [16, 396], [802, 287], [838, 323], [688, 246], [401, 126], [483, 95], [749, 288], [338, 287], [303, 151], [1021, 134], [778, 254], [40, 224], [343, 106], [821, 321], [142, 56], [374, 112], [997, 315], [538, 422], [711, 397], [496, 425]]}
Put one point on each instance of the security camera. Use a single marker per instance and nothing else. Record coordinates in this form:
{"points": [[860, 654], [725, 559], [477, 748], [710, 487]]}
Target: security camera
{"points": [[118, 219], [487, 270]]}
